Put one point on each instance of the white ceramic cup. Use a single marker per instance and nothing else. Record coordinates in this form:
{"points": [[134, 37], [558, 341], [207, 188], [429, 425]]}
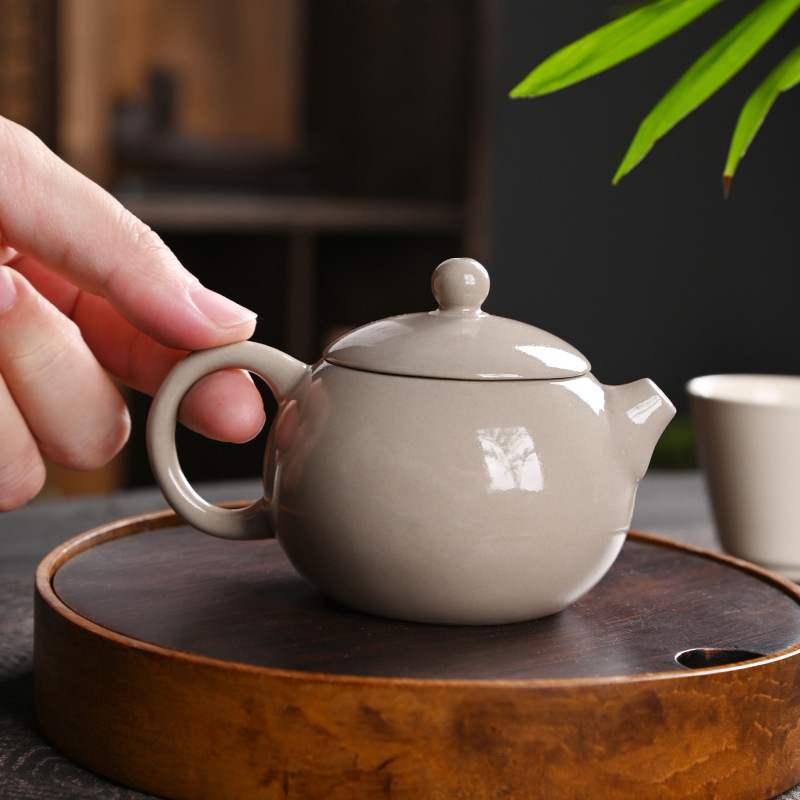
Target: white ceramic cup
{"points": [[748, 441]]}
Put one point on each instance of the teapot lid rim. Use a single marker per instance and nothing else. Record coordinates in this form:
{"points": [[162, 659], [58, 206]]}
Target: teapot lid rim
{"points": [[458, 340]]}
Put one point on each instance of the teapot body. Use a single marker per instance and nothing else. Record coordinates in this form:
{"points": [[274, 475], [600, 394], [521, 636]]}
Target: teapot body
{"points": [[445, 467], [449, 501]]}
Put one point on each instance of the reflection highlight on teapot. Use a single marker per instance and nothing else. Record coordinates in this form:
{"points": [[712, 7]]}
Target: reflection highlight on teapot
{"points": [[511, 459], [554, 357], [639, 413], [588, 390]]}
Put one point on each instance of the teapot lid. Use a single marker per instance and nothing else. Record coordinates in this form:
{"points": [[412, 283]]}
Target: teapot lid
{"points": [[458, 340]]}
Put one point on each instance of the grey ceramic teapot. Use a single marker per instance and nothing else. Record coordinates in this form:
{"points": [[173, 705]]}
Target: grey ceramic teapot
{"points": [[448, 467]]}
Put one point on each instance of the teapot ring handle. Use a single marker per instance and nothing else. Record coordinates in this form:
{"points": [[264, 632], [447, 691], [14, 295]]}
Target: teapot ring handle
{"points": [[281, 373]]}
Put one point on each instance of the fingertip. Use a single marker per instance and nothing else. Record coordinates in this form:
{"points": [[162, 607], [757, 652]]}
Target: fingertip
{"points": [[95, 445], [22, 479], [220, 310], [225, 406]]}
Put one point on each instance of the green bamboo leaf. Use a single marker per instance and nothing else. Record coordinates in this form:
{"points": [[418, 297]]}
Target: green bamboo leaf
{"points": [[711, 71], [783, 77], [608, 46]]}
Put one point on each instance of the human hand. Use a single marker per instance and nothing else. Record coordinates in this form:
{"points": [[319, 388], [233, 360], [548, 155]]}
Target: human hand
{"points": [[86, 289]]}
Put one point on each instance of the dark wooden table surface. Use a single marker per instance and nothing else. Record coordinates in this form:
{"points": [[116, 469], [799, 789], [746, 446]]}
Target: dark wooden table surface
{"points": [[669, 504]]}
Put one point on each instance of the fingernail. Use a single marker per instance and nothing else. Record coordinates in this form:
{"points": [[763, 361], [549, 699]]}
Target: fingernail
{"points": [[219, 309], [8, 290]]}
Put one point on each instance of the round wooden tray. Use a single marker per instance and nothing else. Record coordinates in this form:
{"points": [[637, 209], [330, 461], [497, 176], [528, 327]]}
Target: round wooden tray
{"points": [[193, 667]]}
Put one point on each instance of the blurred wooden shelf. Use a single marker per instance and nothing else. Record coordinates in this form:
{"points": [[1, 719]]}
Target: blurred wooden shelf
{"points": [[222, 211], [301, 220]]}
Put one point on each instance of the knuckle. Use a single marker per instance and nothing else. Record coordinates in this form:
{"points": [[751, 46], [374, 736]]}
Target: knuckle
{"points": [[147, 240], [44, 356], [146, 253], [147, 244]]}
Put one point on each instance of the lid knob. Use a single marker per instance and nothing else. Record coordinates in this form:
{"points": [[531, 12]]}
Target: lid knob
{"points": [[460, 285]]}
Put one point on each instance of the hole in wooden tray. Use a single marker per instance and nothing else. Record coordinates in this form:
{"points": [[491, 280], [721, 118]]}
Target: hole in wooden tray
{"points": [[699, 657]]}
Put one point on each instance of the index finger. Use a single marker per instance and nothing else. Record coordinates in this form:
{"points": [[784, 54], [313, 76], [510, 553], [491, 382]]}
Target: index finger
{"points": [[71, 225]]}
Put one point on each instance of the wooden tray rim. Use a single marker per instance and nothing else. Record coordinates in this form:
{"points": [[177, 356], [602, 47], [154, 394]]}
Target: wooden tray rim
{"points": [[156, 520]]}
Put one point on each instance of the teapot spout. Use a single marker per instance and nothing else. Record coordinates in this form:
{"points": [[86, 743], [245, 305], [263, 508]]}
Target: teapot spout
{"points": [[640, 412]]}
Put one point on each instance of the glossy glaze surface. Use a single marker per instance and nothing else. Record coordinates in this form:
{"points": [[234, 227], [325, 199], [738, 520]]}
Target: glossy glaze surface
{"points": [[463, 503], [458, 339], [449, 467]]}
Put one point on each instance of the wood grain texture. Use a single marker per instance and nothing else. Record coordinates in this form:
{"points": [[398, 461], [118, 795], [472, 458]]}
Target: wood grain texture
{"points": [[197, 725]]}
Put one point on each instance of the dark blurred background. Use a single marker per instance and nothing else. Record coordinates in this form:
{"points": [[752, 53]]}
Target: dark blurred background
{"points": [[315, 160]]}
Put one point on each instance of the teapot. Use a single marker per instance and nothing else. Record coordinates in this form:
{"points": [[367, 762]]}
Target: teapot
{"points": [[446, 467]]}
